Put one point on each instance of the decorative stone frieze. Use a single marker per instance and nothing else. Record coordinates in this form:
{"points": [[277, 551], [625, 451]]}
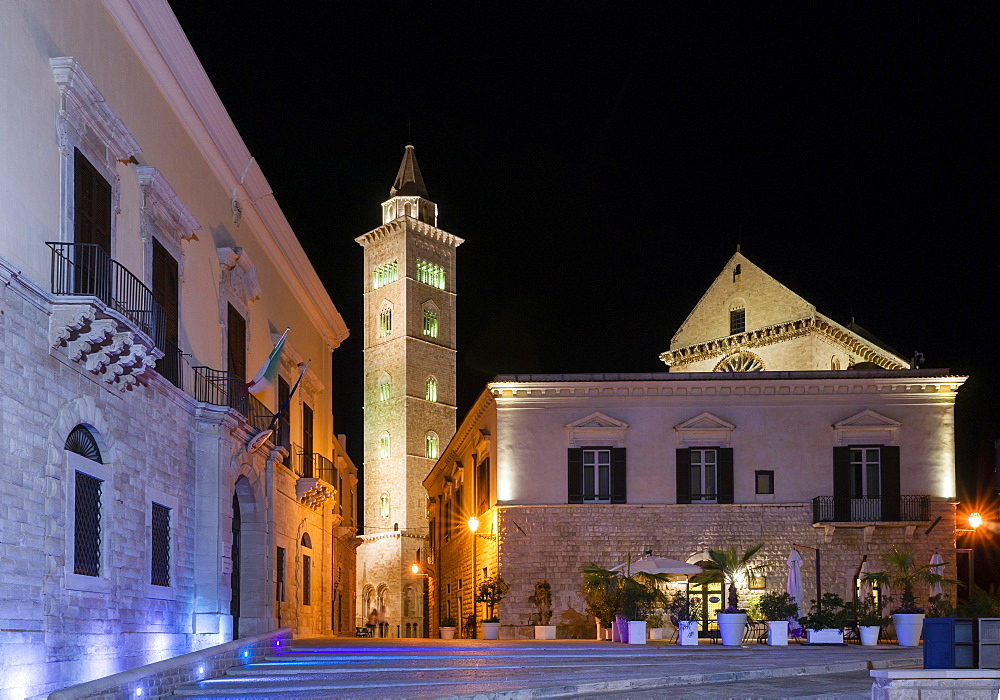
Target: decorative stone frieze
{"points": [[103, 343]]}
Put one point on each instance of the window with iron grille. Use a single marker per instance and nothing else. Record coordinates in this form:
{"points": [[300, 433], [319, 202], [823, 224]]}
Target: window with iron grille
{"points": [[737, 321], [306, 579], [279, 593], [160, 559], [87, 548]]}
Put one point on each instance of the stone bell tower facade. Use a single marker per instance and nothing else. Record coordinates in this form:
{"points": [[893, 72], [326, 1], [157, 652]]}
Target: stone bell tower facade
{"points": [[409, 396]]}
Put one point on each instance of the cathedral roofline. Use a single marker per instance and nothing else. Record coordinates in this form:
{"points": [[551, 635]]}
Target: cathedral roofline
{"points": [[395, 226], [941, 374]]}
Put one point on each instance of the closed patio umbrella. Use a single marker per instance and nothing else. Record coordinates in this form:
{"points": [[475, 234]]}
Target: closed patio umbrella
{"points": [[658, 565], [937, 567], [794, 587]]}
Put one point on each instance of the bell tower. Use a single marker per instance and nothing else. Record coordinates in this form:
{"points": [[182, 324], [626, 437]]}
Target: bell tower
{"points": [[409, 393]]}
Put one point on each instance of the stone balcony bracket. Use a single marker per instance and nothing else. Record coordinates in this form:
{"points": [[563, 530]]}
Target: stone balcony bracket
{"points": [[910, 528], [102, 342], [313, 492]]}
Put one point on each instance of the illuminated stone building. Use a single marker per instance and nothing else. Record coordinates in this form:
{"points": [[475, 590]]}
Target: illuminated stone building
{"points": [[775, 425], [145, 272], [409, 390]]}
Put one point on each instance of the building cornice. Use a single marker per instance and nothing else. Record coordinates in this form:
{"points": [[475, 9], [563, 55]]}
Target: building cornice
{"points": [[781, 332], [401, 224], [155, 35]]}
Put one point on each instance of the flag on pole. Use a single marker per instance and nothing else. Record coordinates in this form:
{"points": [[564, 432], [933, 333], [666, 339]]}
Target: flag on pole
{"points": [[264, 379]]}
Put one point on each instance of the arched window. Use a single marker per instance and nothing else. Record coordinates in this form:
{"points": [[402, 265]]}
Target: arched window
{"points": [[383, 505], [306, 540], [89, 478], [431, 389], [383, 446], [431, 444], [385, 322], [82, 442], [306, 570], [430, 322], [384, 387]]}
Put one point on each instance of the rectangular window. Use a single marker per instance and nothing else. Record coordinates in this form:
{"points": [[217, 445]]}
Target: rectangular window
{"points": [[160, 546], [236, 346], [87, 523], [430, 323], [285, 422], [596, 476], [764, 481], [866, 472], [279, 577], [307, 441], [737, 321], [429, 273], [166, 292], [306, 579], [91, 230], [483, 484], [703, 476], [385, 274]]}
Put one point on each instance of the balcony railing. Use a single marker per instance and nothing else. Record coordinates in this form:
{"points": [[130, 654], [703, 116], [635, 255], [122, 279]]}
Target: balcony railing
{"points": [[312, 465], [222, 388], [86, 269], [828, 509]]}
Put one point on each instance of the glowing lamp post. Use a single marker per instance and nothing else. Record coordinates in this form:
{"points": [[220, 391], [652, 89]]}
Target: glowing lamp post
{"points": [[975, 520], [473, 527]]}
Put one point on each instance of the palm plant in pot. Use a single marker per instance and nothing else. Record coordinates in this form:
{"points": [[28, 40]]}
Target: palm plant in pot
{"points": [[727, 565], [685, 612], [542, 598], [903, 573], [778, 607], [826, 620], [491, 591], [603, 596], [631, 598]]}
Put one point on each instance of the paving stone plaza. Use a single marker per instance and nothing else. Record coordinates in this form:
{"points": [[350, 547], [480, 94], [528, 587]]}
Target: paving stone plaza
{"points": [[325, 668]]}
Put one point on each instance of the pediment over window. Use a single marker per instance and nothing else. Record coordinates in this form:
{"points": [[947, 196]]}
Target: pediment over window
{"points": [[866, 427], [704, 429], [239, 274], [597, 429], [163, 208]]}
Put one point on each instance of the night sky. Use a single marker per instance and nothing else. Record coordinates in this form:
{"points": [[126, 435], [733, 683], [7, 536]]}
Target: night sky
{"points": [[601, 160]]}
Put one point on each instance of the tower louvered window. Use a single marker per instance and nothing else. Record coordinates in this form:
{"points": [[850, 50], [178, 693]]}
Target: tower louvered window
{"points": [[430, 323], [431, 389], [384, 323], [160, 546], [429, 273], [385, 274], [384, 390], [431, 441]]}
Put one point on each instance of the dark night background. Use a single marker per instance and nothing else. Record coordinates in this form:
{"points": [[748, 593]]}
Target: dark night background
{"points": [[600, 160]]}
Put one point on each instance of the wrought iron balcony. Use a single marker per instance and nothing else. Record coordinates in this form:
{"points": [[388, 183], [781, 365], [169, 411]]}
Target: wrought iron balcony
{"points": [[221, 388], [318, 477], [828, 509], [85, 269]]}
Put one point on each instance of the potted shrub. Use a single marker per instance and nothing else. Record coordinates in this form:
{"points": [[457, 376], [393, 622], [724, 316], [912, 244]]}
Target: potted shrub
{"points": [[902, 573], [542, 598], [601, 591], [869, 619], [826, 620], [629, 599], [726, 565], [654, 625], [491, 591], [777, 607], [447, 628], [685, 612]]}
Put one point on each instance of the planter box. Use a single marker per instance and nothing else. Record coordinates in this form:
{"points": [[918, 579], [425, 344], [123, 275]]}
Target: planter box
{"points": [[655, 633], [687, 633], [732, 626], [545, 631], [827, 636], [777, 633], [636, 632], [908, 628], [491, 630], [447, 632]]}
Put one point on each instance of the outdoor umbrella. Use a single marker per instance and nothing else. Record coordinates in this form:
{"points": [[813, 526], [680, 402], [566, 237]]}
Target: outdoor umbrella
{"points": [[658, 565], [794, 587], [937, 567]]}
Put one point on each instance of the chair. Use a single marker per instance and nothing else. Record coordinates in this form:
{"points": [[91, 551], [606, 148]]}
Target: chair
{"points": [[362, 632], [756, 630]]}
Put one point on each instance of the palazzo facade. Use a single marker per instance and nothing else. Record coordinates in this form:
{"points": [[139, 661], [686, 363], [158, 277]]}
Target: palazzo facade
{"points": [[145, 273]]}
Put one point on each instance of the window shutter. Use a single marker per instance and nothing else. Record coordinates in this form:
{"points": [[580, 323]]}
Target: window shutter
{"points": [[237, 344], [575, 474], [842, 484], [618, 482], [890, 483], [725, 482], [683, 476]]}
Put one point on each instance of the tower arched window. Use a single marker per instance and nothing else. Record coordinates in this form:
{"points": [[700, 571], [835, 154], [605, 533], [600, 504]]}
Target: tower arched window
{"points": [[429, 273], [385, 274], [383, 505], [384, 387], [383, 446], [430, 322], [431, 389], [431, 445], [385, 322]]}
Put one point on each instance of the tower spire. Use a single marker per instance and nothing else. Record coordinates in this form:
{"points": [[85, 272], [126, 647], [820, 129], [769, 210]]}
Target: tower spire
{"points": [[408, 194], [409, 182]]}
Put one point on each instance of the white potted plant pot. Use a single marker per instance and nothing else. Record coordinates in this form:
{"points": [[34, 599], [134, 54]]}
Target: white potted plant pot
{"points": [[731, 628], [869, 634], [636, 632], [491, 630], [546, 631], [447, 632], [908, 628], [687, 633], [606, 632], [655, 632], [825, 636], [777, 633]]}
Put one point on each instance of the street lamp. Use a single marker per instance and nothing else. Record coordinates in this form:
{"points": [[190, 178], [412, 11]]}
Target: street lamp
{"points": [[975, 520], [473, 527]]}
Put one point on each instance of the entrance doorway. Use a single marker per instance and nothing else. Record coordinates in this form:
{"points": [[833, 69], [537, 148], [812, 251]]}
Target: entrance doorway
{"points": [[234, 578], [711, 599]]}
